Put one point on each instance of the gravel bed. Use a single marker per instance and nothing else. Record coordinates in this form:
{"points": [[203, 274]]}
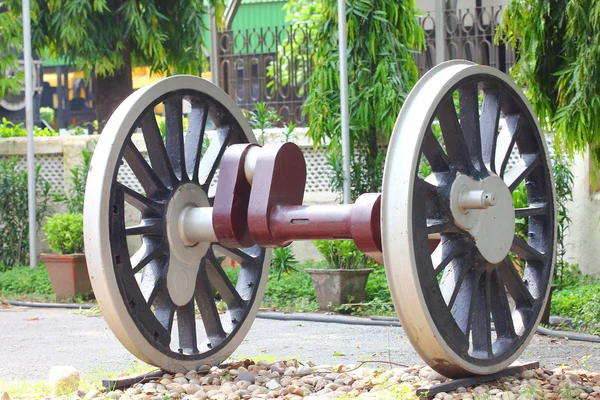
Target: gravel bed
{"points": [[295, 381]]}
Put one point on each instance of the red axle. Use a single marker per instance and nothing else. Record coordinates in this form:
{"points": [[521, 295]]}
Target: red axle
{"points": [[259, 201]]}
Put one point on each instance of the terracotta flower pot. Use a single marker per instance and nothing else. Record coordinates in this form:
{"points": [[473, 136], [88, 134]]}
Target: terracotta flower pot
{"points": [[68, 274], [333, 287]]}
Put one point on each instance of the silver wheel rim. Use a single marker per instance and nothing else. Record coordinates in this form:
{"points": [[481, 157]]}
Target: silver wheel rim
{"points": [[140, 311], [428, 311]]}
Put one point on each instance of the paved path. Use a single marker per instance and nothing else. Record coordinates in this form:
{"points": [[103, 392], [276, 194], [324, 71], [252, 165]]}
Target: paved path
{"points": [[32, 340]]}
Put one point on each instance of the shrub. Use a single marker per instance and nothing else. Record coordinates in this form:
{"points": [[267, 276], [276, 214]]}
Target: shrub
{"points": [[14, 212], [283, 261], [563, 182], [294, 291], [64, 233], [47, 114], [582, 303], [10, 129], [25, 280], [262, 119], [75, 197], [341, 254]]}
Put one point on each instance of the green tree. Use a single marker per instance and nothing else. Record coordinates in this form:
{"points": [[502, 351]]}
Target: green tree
{"points": [[558, 42], [109, 36], [11, 77], [382, 36]]}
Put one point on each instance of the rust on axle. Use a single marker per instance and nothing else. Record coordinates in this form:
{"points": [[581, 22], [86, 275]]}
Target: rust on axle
{"points": [[269, 211]]}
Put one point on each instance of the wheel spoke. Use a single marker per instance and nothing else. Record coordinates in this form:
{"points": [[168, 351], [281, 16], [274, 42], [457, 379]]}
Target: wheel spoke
{"points": [[438, 217], [154, 280], [186, 326], [145, 255], [488, 122], [506, 141], [237, 255], [174, 127], [145, 175], [481, 325], [208, 309], [453, 279], [434, 153], [454, 139], [148, 226], [450, 250], [469, 121], [515, 285], [145, 205], [221, 283], [520, 171], [531, 211], [212, 158], [440, 226], [164, 311], [527, 253], [195, 138], [461, 304], [500, 307], [156, 150]]}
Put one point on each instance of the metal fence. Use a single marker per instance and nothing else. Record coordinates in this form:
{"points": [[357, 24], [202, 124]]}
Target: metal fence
{"points": [[272, 64], [470, 34]]}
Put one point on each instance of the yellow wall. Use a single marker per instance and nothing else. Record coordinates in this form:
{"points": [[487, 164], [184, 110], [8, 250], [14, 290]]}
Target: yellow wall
{"points": [[140, 76]]}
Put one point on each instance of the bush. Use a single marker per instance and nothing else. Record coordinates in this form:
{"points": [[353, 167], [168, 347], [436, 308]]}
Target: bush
{"points": [[10, 129], [64, 233], [283, 261], [25, 280], [341, 254], [14, 212], [75, 197], [582, 303], [563, 182], [47, 114], [294, 291]]}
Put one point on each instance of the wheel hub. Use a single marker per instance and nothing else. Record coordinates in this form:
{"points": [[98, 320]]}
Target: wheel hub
{"points": [[485, 210], [184, 255]]}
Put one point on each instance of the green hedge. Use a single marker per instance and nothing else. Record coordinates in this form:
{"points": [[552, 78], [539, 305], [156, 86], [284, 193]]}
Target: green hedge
{"points": [[20, 281], [581, 303]]}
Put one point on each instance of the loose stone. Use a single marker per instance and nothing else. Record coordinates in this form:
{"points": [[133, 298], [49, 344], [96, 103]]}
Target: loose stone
{"points": [[272, 385], [304, 370]]}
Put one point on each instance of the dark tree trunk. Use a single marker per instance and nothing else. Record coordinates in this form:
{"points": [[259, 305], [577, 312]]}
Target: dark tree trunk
{"points": [[112, 90]]}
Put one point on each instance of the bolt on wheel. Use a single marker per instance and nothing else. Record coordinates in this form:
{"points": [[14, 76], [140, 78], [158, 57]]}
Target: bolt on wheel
{"points": [[150, 282], [464, 142]]}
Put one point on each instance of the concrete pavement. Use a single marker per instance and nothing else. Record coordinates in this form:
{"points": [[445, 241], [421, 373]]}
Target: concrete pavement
{"points": [[33, 340]]}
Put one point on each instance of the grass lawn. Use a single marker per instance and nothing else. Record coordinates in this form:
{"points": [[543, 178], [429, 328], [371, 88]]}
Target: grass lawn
{"points": [[577, 296]]}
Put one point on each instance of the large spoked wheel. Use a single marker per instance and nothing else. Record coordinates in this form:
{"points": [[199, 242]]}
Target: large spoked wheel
{"points": [[148, 280], [465, 143]]}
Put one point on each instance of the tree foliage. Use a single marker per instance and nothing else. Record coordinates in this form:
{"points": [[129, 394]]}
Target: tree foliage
{"points": [[10, 38], [95, 34], [559, 63], [107, 36], [382, 36]]}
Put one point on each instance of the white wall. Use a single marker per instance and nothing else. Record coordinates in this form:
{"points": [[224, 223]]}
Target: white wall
{"points": [[583, 238]]}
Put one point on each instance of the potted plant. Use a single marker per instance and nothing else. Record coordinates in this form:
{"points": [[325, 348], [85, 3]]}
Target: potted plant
{"points": [[66, 266], [344, 277]]}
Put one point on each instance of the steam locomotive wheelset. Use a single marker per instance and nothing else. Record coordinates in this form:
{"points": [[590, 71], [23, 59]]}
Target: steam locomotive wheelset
{"points": [[469, 286]]}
